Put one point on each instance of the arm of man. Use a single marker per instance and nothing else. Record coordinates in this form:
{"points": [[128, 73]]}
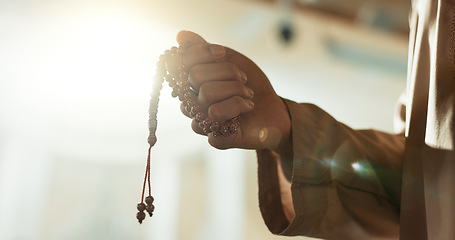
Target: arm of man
{"points": [[339, 183], [345, 183]]}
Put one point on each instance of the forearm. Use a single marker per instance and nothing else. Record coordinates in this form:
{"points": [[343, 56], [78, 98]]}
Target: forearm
{"points": [[285, 193], [328, 192]]}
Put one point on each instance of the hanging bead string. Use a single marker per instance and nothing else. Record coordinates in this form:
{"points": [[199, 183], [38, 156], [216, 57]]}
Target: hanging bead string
{"points": [[182, 89]]}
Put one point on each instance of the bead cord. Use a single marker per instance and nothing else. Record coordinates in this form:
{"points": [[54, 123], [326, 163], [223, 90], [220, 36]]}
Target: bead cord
{"points": [[181, 89]]}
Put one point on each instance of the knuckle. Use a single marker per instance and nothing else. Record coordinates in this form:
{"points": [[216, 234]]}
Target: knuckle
{"points": [[240, 87], [241, 105], [214, 112], [195, 73], [232, 67], [233, 70], [218, 113], [206, 96], [206, 48], [238, 100], [202, 97], [202, 51]]}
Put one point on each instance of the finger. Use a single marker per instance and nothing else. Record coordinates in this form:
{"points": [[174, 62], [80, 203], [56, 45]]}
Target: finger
{"points": [[194, 54], [184, 111], [218, 71], [188, 36], [214, 92], [230, 108], [196, 128], [224, 142], [202, 53]]}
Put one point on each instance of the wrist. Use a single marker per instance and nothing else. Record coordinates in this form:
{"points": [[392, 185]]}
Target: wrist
{"points": [[285, 148], [285, 145]]}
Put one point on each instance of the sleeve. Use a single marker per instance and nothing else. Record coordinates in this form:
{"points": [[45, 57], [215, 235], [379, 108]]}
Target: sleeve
{"points": [[345, 183]]}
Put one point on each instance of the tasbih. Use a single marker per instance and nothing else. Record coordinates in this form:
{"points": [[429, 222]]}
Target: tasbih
{"points": [[182, 89]]}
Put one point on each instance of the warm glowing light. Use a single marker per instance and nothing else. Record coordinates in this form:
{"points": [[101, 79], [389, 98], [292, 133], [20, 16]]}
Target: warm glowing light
{"points": [[263, 134], [107, 54], [356, 166]]}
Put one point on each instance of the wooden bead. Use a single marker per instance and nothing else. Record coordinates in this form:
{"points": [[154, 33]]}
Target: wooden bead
{"points": [[185, 88], [207, 122], [172, 83], [191, 102], [149, 200], [175, 92], [150, 208], [206, 130], [182, 47], [224, 129], [187, 95], [141, 206], [151, 140], [140, 216], [169, 78], [168, 53], [200, 116], [215, 126], [195, 108], [183, 68], [180, 90], [232, 127], [216, 133], [184, 76]]}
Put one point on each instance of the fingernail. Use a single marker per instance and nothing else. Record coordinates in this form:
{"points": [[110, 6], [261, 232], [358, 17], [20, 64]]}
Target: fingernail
{"points": [[217, 50], [250, 92], [250, 103], [243, 76]]}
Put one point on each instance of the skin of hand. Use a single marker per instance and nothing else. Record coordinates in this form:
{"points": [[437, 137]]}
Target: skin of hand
{"points": [[229, 85]]}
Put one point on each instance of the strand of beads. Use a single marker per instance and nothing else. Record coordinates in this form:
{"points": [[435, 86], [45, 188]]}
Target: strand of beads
{"points": [[181, 89], [152, 125]]}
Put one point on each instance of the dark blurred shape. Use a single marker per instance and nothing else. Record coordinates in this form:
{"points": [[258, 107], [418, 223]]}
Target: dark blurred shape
{"points": [[286, 33], [383, 15]]}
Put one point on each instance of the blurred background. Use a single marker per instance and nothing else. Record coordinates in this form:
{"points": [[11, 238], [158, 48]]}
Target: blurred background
{"points": [[75, 79]]}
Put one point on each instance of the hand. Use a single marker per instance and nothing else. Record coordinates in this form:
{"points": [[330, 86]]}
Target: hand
{"points": [[229, 85]]}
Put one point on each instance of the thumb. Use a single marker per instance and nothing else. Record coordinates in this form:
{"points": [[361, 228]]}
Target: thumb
{"points": [[188, 36]]}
